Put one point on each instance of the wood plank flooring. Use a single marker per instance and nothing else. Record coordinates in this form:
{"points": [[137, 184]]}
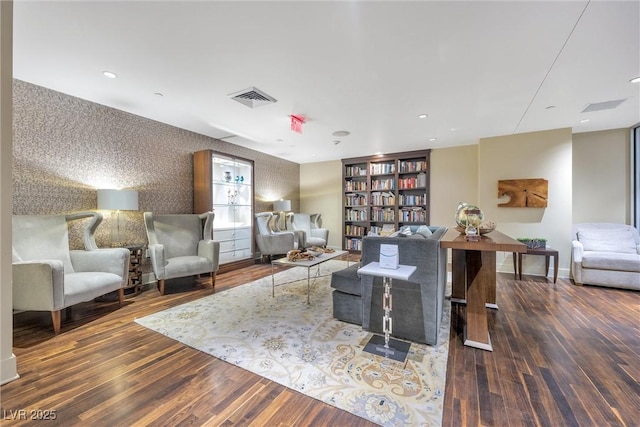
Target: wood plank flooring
{"points": [[563, 356]]}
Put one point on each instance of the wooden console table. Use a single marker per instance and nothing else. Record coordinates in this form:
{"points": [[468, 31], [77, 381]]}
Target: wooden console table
{"points": [[474, 278], [546, 252]]}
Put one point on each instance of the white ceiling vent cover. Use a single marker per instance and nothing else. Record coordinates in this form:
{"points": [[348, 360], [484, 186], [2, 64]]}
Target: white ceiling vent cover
{"points": [[252, 97], [607, 105]]}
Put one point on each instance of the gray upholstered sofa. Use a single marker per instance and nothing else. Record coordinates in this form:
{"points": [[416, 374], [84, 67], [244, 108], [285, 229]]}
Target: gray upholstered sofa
{"points": [[417, 304], [606, 254]]}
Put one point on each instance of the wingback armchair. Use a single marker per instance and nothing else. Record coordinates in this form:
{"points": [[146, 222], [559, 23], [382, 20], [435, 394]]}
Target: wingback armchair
{"points": [[272, 242], [311, 226], [182, 245], [48, 276]]}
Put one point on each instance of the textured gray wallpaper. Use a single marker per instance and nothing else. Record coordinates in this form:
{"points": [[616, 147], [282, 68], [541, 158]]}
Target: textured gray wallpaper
{"points": [[65, 148]]}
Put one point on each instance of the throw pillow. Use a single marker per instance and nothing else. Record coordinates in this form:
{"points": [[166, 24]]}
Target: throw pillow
{"points": [[406, 230], [424, 230], [608, 240]]}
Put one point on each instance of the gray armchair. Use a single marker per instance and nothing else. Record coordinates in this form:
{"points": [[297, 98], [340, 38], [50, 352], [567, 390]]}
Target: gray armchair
{"points": [[48, 276], [272, 242], [180, 245], [311, 226]]}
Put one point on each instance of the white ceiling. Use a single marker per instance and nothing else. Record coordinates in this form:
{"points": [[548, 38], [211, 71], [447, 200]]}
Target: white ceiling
{"points": [[477, 68]]}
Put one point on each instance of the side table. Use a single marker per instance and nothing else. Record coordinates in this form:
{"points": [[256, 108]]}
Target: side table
{"points": [[134, 283], [394, 349], [546, 252]]}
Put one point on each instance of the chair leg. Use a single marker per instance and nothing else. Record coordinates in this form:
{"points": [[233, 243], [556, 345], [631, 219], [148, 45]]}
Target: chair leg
{"points": [[56, 319], [161, 286], [213, 280], [121, 296]]}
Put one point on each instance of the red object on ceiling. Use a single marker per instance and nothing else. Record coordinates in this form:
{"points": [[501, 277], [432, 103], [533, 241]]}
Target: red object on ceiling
{"points": [[296, 123]]}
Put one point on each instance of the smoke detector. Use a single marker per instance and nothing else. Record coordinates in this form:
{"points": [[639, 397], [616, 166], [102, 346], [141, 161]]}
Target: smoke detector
{"points": [[252, 97]]}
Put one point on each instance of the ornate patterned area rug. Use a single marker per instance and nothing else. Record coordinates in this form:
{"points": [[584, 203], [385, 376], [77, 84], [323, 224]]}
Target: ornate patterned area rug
{"points": [[304, 348]]}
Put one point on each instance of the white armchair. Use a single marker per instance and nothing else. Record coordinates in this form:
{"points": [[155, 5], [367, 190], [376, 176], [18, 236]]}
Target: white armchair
{"points": [[180, 245], [272, 242], [47, 276], [311, 225]]}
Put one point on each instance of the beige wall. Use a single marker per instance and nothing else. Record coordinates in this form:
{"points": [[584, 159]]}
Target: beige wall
{"points": [[454, 179], [471, 174], [8, 367], [601, 176], [531, 155]]}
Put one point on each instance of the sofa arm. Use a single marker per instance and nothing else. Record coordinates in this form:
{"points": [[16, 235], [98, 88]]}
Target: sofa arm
{"points": [[577, 250], [323, 233], [115, 260], [276, 243], [210, 249], [158, 261], [38, 285]]}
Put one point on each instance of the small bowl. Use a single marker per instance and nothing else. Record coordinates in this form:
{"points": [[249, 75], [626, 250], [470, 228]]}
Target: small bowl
{"points": [[483, 230]]}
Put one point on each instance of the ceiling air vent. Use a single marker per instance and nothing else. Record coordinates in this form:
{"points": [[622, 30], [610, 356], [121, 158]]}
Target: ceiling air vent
{"points": [[252, 97], [598, 106]]}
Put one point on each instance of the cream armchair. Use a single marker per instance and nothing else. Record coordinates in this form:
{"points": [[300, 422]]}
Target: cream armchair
{"points": [[180, 245], [272, 242], [311, 225], [47, 276]]}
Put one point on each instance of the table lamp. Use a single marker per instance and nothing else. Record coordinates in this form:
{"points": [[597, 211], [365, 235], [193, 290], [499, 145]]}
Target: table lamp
{"points": [[117, 200]]}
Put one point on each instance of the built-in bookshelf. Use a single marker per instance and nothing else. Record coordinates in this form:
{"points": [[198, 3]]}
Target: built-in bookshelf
{"points": [[383, 192]]}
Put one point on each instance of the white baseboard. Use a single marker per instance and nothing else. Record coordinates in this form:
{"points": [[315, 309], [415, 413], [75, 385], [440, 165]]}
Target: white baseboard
{"points": [[8, 370]]}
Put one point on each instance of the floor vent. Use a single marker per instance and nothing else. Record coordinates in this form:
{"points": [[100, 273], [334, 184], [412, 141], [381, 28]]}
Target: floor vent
{"points": [[252, 97], [599, 106]]}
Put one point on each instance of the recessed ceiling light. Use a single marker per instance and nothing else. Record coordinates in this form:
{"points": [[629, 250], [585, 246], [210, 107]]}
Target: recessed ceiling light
{"points": [[584, 120], [341, 133], [635, 80], [109, 74], [336, 142], [433, 139], [453, 129], [158, 94], [422, 116], [550, 107]]}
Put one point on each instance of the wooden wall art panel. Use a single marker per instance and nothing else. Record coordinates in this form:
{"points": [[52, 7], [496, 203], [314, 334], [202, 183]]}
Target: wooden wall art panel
{"points": [[524, 193]]}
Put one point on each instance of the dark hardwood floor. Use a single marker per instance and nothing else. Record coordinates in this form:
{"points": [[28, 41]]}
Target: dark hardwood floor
{"points": [[563, 356]]}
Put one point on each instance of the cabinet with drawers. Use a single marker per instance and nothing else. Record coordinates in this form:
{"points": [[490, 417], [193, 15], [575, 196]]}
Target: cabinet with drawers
{"points": [[224, 184]]}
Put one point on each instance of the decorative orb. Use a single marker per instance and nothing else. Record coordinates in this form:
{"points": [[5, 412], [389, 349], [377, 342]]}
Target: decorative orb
{"points": [[465, 209]]}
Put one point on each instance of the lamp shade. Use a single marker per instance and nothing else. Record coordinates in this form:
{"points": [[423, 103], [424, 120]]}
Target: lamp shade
{"points": [[282, 205], [124, 200]]}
